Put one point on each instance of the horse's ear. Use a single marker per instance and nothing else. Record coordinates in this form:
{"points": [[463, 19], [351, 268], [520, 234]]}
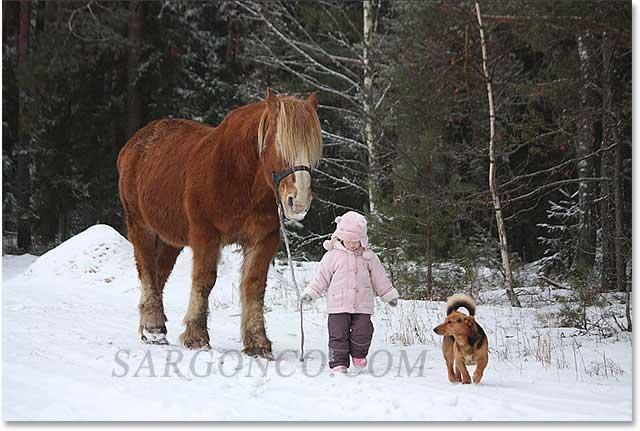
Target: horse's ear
{"points": [[313, 100], [272, 101]]}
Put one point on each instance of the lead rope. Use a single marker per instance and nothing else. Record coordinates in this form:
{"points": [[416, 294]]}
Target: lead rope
{"points": [[293, 277], [277, 177]]}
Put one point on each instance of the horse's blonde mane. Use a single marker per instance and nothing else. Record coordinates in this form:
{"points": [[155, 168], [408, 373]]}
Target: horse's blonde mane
{"points": [[298, 137]]}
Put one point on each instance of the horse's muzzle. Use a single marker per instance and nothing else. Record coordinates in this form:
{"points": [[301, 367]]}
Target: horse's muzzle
{"points": [[296, 215]]}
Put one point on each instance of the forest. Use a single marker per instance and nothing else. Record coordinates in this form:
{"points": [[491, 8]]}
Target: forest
{"points": [[471, 134]]}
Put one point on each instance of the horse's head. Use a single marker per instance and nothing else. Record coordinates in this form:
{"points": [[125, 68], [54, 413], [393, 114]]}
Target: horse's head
{"points": [[290, 144]]}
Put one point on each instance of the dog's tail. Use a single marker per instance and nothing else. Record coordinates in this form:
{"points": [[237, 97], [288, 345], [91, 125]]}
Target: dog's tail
{"points": [[461, 300]]}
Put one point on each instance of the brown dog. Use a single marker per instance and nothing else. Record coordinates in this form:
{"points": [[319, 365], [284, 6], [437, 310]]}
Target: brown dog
{"points": [[464, 343]]}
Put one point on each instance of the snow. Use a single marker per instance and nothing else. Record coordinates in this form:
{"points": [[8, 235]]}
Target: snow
{"points": [[14, 265], [70, 332]]}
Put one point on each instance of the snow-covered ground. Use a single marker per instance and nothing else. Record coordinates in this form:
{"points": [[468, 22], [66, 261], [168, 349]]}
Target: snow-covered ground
{"points": [[71, 352]]}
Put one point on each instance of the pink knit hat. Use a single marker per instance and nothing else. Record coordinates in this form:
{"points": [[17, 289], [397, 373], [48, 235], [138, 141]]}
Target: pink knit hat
{"points": [[351, 227]]}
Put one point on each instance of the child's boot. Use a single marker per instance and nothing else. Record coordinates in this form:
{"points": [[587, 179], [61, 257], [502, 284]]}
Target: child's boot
{"points": [[359, 363], [339, 369]]}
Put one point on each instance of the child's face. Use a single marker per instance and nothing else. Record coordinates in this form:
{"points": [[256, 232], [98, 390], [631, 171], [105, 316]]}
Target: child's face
{"points": [[351, 245]]}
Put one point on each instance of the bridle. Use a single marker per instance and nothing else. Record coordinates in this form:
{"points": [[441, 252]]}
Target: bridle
{"points": [[277, 179], [279, 176]]}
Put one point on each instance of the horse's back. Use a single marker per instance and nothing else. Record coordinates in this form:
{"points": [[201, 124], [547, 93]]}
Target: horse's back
{"points": [[152, 167]]}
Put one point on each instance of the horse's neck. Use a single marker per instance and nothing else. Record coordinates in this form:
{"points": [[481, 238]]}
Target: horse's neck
{"points": [[239, 143]]}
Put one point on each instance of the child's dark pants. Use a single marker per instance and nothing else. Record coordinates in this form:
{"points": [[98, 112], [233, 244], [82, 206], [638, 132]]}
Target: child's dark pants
{"points": [[349, 334]]}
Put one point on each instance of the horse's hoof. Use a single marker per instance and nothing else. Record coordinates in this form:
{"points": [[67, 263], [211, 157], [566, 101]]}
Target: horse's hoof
{"points": [[154, 334], [195, 338], [195, 343], [261, 352], [159, 339]]}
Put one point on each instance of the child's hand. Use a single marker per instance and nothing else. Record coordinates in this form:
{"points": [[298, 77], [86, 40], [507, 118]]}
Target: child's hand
{"points": [[393, 302], [306, 299]]}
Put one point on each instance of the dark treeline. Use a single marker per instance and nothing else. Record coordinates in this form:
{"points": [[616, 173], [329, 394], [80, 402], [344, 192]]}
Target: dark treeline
{"points": [[404, 107]]}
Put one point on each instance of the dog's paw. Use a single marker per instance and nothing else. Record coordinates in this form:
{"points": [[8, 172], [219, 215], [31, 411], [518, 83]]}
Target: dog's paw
{"points": [[476, 379], [466, 381]]}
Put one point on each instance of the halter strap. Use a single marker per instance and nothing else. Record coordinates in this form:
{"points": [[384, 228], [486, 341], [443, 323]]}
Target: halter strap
{"points": [[279, 176]]}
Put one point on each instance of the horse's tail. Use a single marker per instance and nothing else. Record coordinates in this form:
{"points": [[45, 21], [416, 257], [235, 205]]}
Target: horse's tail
{"points": [[461, 300]]}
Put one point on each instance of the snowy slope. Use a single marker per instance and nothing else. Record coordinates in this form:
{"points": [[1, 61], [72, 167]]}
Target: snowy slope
{"points": [[70, 330]]}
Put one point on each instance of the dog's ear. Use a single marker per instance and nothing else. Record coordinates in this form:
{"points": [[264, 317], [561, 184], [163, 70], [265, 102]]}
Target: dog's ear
{"points": [[470, 321]]}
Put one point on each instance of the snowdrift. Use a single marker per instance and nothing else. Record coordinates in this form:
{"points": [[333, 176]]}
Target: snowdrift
{"points": [[96, 256]]}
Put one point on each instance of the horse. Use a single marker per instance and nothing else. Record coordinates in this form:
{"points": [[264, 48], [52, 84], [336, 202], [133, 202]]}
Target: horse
{"points": [[184, 183]]}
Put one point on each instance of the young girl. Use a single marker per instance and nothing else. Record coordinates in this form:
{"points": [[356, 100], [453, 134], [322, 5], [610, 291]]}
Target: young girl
{"points": [[349, 273]]}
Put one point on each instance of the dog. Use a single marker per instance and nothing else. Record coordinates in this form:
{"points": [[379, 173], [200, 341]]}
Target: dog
{"points": [[465, 342]]}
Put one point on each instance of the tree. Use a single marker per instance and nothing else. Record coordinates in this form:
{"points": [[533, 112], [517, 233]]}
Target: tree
{"points": [[329, 47], [504, 246], [585, 147], [134, 36], [23, 165]]}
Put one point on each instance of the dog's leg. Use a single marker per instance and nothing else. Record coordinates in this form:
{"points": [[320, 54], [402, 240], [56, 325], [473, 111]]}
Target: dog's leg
{"points": [[466, 378], [482, 364], [454, 376], [458, 377], [447, 351]]}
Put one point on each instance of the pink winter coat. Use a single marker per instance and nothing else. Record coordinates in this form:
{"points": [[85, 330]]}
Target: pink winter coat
{"points": [[350, 279]]}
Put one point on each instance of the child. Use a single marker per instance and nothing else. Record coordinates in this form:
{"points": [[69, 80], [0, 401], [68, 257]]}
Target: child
{"points": [[349, 273]]}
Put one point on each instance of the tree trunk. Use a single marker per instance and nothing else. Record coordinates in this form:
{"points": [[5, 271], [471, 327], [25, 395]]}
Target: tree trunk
{"points": [[230, 53], [586, 243], [429, 221], [23, 165], [620, 241], [134, 36], [622, 284], [41, 15], [429, 254], [502, 234], [369, 135], [607, 211]]}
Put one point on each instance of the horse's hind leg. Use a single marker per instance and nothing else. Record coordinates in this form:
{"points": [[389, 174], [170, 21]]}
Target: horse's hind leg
{"points": [[152, 327], [206, 250], [254, 279], [166, 256], [165, 260]]}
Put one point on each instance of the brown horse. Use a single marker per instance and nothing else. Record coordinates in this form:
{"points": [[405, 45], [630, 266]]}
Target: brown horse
{"points": [[184, 183]]}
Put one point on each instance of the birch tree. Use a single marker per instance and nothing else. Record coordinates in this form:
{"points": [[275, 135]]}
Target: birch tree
{"points": [[369, 18], [502, 234], [340, 64]]}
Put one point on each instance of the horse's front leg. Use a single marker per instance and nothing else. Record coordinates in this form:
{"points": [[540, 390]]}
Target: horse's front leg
{"points": [[205, 270], [254, 279]]}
